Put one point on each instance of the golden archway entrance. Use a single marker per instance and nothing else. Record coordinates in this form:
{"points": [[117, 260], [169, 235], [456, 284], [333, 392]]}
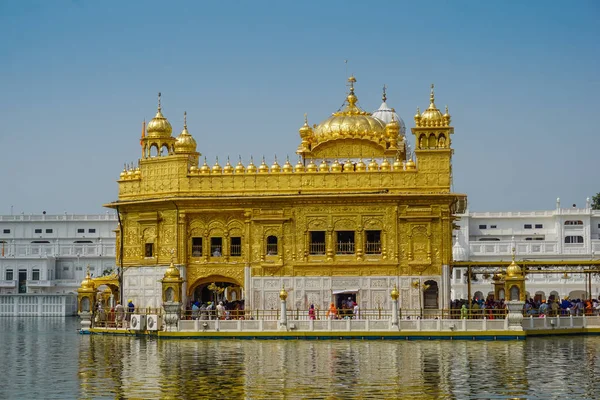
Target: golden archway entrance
{"points": [[216, 288]]}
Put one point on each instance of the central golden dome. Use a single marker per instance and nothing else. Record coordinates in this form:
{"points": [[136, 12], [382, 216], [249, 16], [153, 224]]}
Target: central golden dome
{"points": [[352, 122]]}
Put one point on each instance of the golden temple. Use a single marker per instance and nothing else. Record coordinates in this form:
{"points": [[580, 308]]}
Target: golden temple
{"points": [[357, 214]]}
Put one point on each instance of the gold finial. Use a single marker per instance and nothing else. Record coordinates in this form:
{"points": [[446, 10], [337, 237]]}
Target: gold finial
{"points": [[352, 80], [384, 97], [394, 294], [514, 252], [446, 109], [159, 107], [432, 95], [185, 120], [87, 272], [172, 255], [305, 119]]}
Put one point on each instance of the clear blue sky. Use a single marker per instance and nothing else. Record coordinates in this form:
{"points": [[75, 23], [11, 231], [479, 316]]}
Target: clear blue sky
{"points": [[77, 78]]}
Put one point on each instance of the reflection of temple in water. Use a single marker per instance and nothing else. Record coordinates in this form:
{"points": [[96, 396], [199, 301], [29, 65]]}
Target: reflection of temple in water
{"points": [[146, 368]]}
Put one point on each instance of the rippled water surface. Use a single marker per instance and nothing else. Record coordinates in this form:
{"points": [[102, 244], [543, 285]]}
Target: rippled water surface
{"points": [[46, 358]]}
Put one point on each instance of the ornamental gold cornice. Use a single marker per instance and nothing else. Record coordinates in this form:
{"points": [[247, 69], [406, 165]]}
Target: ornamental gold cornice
{"points": [[197, 272]]}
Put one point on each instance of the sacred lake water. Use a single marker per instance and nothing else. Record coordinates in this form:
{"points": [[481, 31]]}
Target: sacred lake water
{"points": [[46, 358]]}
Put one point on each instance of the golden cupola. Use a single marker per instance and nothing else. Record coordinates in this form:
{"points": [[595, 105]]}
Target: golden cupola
{"points": [[185, 143], [432, 117], [348, 133], [159, 126]]}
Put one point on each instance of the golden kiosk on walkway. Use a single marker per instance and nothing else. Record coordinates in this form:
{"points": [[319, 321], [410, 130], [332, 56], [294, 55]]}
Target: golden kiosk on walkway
{"points": [[358, 212]]}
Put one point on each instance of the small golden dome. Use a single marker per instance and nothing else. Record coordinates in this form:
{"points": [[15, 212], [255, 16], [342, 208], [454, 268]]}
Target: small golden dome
{"points": [[283, 294], [311, 167], [228, 168], [397, 166], [263, 168], [447, 117], [239, 168], [418, 116], [275, 168], [159, 126], [185, 143], [129, 174], [299, 166], [123, 174], [137, 173], [394, 293], [513, 270], [336, 166], [432, 116], [287, 167], [205, 169], [216, 169], [385, 165], [172, 272], [251, 169], [323, 167], [348, 166], [305, 131], [410, 165], [361, 166], [373, 165], [88, 283], [392, 128], [193, 169]]}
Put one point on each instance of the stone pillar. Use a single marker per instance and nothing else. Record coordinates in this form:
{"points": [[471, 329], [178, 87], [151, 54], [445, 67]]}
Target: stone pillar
{"points": [[515, 315], [283, 317], [172, 314], [445, 287], [394, 295]]}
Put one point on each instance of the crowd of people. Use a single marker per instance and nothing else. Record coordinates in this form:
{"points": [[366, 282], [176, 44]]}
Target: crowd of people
{"points": [[224, 310], [491, 309]]}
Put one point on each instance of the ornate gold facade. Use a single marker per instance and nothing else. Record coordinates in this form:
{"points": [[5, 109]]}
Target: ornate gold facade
{"points": [[354, 176]]}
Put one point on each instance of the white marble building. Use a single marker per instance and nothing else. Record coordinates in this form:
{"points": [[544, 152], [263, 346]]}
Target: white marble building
{"points": [[48, 254], [571, 233]]}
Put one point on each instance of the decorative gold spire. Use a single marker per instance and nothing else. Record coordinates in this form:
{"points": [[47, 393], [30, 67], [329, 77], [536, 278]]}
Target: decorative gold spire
{"points": [[251, 169], [384, 97], [239, 168], [432, 98], [185, 143], [159, 107], [228, 168]]}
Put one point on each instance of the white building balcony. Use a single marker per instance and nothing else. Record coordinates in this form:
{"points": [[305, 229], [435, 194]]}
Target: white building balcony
{"points": [[40, 284], [502, 248], [8, 284], [60, 250]]}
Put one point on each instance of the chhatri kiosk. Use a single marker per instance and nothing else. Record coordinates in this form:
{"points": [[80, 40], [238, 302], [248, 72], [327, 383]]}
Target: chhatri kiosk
{"points": [[358, 214]]}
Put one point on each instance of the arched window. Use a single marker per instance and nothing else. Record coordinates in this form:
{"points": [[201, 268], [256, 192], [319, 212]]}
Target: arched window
{"points": [[574, 222], [272, 245], [515, 293], [153, 150], [573, 239], [164, 150]]}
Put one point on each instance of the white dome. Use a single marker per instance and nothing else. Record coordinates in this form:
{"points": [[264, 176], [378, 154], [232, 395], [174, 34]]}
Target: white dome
{"points": [[384, 113], [458, 252]]}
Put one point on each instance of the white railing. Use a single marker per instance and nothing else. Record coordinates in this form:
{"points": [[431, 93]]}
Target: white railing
{"points": [[58, 250], [8, 284], [505, 248], [65, 217], [38, 283]]}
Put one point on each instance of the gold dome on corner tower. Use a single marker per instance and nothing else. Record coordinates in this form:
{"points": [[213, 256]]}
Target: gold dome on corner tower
{"points": [[185, 142], [159, 126], [431, 116]]}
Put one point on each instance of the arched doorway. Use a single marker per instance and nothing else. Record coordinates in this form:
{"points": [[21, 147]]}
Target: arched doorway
{"points": [[216, 288], [431, 295]]}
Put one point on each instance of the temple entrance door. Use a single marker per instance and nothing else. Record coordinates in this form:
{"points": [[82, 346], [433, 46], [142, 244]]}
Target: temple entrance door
{"points": [[216, 292], [431, 295]]}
